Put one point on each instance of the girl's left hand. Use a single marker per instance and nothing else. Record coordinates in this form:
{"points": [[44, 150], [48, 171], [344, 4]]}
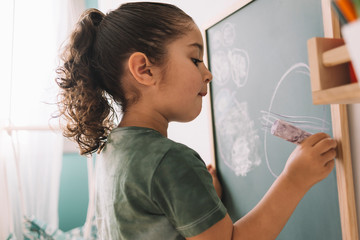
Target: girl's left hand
{"points": [[216, 181]]}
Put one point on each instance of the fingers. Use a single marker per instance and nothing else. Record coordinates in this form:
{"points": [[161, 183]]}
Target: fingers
{"points": [[211, 169], [330, 165], [321, 142], [329, 155], [326, 144], [315, 138]]}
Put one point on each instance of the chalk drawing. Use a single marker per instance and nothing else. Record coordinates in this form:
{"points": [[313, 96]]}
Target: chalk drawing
{"points": [[236, 134], [225, 37], [235, 130], [239, 66], [220, 68], [304, 122], [229, 34], [234, 65], [230, 63], [217, 39]]}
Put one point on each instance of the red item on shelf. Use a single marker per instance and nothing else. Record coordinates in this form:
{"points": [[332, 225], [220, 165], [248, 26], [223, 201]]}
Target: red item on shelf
{"points": [[353, 78]]}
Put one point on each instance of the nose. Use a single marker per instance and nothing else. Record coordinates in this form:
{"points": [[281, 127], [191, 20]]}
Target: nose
{"points": [[207, 75]]}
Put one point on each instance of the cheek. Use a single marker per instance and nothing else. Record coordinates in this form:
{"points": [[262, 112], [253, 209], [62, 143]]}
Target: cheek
{"points": [[185, 79], [190, 86], [188, 92], [194, 82]]}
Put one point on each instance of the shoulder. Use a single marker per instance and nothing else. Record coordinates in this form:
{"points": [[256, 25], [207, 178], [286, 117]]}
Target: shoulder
{"points": [[178, 163], [178, 150], [138, 141], [140, 147], [181, 158]]}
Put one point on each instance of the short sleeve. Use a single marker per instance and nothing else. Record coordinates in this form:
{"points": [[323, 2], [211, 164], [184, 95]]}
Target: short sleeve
{"points": [[182, 188]]}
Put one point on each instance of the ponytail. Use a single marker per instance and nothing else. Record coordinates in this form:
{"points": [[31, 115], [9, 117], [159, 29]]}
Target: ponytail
{"points": [[82, 102]]}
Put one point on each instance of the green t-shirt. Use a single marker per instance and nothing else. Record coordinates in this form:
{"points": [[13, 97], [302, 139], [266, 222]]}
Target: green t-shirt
{"points": [[149, 187]]}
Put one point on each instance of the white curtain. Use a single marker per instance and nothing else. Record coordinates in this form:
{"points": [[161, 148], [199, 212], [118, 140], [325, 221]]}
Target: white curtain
{"points": [[32, 32]]}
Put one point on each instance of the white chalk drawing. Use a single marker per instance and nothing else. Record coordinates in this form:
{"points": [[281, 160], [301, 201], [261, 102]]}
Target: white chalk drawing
{"points": [[234, 65], [237, 136], [220, 68], [223, 101], [239, 66], [225, 37], [305, 122], [216, 39], [229, 34], [235, 130]]}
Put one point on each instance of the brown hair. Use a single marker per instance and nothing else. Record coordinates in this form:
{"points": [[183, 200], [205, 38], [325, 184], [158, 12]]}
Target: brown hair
{"points": [[90, 76]]}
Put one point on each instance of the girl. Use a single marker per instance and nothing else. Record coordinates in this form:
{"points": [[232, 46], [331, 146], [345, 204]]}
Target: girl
{"points": [[148, 59]]}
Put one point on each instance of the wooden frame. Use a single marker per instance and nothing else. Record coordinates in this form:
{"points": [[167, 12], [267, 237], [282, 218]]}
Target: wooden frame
{"points": [[344, 172]]}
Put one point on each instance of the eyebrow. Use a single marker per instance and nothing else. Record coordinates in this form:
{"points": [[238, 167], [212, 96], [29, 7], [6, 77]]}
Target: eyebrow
{"points": [[197, 45]]}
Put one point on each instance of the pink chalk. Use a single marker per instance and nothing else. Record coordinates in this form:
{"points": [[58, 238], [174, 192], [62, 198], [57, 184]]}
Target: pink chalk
{"points": [[289, 132]]}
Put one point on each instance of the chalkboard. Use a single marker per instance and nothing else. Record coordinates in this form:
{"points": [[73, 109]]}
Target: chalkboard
{"points": [[258, 57]]}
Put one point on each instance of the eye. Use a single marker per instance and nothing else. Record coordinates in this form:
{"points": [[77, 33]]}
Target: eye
{"points": [[196, 61]]}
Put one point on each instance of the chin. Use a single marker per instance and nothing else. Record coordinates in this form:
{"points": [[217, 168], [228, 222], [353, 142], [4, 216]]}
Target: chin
{"points": [[191, 117]]}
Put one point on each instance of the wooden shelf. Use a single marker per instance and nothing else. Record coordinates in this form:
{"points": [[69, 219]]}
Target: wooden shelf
{"points": [[336, 56], [329, 72], [345, 94]]}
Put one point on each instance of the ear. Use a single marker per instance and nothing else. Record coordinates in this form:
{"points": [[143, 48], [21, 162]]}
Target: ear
{"points": [[140, 68]]}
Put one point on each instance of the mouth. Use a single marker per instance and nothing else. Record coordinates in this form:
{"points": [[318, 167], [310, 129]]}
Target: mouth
{"points": [[203, 94]]}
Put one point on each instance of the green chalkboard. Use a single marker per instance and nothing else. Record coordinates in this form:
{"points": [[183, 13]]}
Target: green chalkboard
{"points": [[258, 57]]}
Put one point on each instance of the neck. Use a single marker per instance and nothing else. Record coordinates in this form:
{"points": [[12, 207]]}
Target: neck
{"points": [[141, 118]]}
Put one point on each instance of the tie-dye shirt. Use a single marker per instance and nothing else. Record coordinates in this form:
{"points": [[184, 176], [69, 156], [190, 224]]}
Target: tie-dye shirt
{"points": [[149, 187]]}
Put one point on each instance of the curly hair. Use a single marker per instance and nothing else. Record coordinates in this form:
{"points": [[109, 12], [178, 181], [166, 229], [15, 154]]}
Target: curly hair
{"points": [[90, 76]]}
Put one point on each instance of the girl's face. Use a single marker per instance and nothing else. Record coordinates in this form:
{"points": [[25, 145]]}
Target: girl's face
{"points": [[185, 79]]}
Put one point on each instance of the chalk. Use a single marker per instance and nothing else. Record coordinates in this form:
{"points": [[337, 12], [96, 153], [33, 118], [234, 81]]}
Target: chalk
{"points": [[289, 132]]}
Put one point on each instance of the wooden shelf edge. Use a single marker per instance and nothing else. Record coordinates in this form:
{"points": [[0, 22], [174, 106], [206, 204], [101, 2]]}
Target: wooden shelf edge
{"points": [[336, 56], [346, 94], [328, 50]]}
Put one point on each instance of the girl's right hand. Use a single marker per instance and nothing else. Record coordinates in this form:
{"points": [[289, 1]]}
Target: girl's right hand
{"points": [[311, 161]]}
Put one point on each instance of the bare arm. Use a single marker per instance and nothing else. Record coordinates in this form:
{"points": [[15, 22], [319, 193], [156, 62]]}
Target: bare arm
{"points": [[310, 162]]}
